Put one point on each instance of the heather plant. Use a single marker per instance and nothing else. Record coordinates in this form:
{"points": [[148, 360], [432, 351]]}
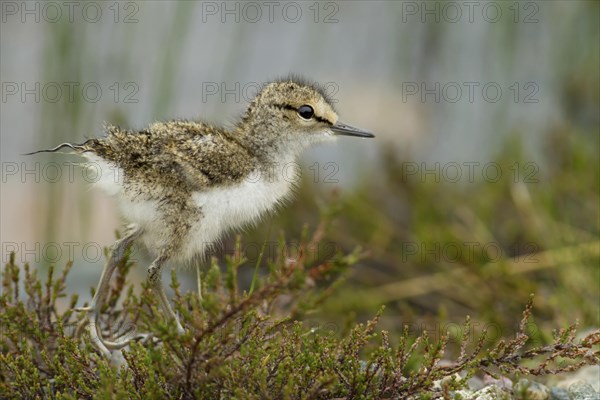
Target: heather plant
{"points": [[242, 345], [307, 320]]}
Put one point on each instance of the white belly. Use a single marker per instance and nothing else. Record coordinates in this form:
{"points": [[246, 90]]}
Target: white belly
{"points": [[224, 209]]}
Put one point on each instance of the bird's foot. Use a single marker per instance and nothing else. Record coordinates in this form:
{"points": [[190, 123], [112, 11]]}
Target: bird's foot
{"points": [[106, 347]]}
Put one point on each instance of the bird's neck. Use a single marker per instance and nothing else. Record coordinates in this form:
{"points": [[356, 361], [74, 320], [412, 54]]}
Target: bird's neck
{"points": [[267, 142]]}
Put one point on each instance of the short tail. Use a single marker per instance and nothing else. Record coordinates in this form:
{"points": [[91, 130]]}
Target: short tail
{"points": [[77, 147]]}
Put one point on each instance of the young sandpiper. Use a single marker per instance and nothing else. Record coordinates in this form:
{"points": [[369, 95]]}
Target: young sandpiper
{"points": [[182, 184]]}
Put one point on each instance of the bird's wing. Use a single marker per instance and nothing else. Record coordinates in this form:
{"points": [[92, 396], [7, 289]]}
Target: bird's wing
{"points": [[204, 154], [152, 156]]}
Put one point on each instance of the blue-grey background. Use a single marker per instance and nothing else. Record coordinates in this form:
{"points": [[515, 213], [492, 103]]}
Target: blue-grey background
{"points": [[67, 68]]}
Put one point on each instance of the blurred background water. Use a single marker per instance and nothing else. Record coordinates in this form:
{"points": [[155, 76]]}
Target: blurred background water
{"points": [[438, 82]]}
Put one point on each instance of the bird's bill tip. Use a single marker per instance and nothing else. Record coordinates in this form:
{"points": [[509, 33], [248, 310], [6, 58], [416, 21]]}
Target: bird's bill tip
{"points": [[346, 130]]}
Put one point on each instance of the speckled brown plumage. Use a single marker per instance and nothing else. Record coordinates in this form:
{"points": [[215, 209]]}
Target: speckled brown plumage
{"points": [[179, 155]]}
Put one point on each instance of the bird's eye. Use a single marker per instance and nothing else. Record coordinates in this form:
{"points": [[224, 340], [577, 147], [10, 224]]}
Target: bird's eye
{"points": [[306, 112]]}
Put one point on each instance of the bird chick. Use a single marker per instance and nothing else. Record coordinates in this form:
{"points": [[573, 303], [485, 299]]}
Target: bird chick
{"points": [[182, 184]]}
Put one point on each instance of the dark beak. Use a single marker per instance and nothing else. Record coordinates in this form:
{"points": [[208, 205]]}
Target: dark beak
{"points": [[347, 130]]}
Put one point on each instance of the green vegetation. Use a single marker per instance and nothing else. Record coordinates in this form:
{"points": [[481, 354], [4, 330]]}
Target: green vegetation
{"points": [[297, 335]]}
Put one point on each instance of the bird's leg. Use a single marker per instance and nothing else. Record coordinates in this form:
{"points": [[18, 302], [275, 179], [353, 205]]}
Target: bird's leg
{"points": [[155, 280], [199, 281], [93, 310]]}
